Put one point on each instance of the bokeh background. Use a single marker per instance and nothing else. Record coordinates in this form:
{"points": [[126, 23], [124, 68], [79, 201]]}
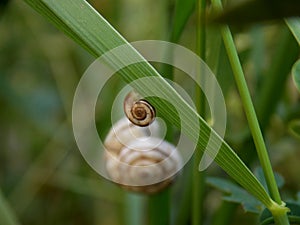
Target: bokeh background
{"points": [[43, 177]]}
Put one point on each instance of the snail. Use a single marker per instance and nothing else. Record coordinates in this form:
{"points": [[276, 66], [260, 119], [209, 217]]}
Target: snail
{"points": [[138, 160], [138, 111]]}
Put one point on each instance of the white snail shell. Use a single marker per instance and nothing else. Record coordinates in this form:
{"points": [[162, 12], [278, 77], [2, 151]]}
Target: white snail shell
{"points": [[138, 162], [123, 132], [138, 111]]}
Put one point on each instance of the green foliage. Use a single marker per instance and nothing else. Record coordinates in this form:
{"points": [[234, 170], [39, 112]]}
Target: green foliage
{"points": [[234, 193], [99, 36], [251, 117], [183, 10], [296, 74], [294, 25], [260, 176], [7, 215], [294, 127], [43, 177], [294, 215]]}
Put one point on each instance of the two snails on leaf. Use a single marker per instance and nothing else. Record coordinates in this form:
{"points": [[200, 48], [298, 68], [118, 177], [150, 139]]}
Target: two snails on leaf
{"points": [[136, 157]]}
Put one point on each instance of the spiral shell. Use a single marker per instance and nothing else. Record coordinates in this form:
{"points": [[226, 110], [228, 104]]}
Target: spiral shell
{"points": [[139, 161], [138, 111]]}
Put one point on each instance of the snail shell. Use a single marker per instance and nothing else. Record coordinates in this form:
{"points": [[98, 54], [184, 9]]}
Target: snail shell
{"points": [[139, 162], [123, 132], [138, 111]]}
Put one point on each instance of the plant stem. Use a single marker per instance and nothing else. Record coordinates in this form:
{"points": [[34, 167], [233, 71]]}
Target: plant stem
{"points": [[201, 29], [252, 119], [135, 209], [285, 54], [199, 177], [250, 114], [159, 208], [184, 205], [281, 219], [249, 110]]}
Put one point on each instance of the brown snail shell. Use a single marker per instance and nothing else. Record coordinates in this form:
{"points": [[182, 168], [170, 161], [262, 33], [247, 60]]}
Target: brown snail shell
{"points": [[138, 111]]}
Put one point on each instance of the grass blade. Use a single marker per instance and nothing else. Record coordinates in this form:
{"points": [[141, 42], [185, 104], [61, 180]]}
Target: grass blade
{"points": [[199, 185], [279, 213], [183, 10]]}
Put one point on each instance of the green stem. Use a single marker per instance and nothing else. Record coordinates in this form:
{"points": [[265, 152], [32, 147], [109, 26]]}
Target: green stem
{"points": [[272, 86], [249, 109], [159, 208], [199, 177], [280, 215], [251, 115], [281, 219], [184, 205], [134, 212], [285, 54], [201, 29]]}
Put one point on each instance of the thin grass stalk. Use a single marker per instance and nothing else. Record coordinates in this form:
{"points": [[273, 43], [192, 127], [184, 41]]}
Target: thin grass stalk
{"points": [[249, 109], [199, 176], [284, 56], [279, 216], [134, 209], [183, 214], [159, 208]]}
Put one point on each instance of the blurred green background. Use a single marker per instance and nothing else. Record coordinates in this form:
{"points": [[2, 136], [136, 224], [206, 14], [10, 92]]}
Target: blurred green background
{"points": [[43, 177]]}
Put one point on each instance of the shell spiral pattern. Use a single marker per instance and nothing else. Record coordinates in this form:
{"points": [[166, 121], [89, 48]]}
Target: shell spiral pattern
{"points": [[138, 111]]}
